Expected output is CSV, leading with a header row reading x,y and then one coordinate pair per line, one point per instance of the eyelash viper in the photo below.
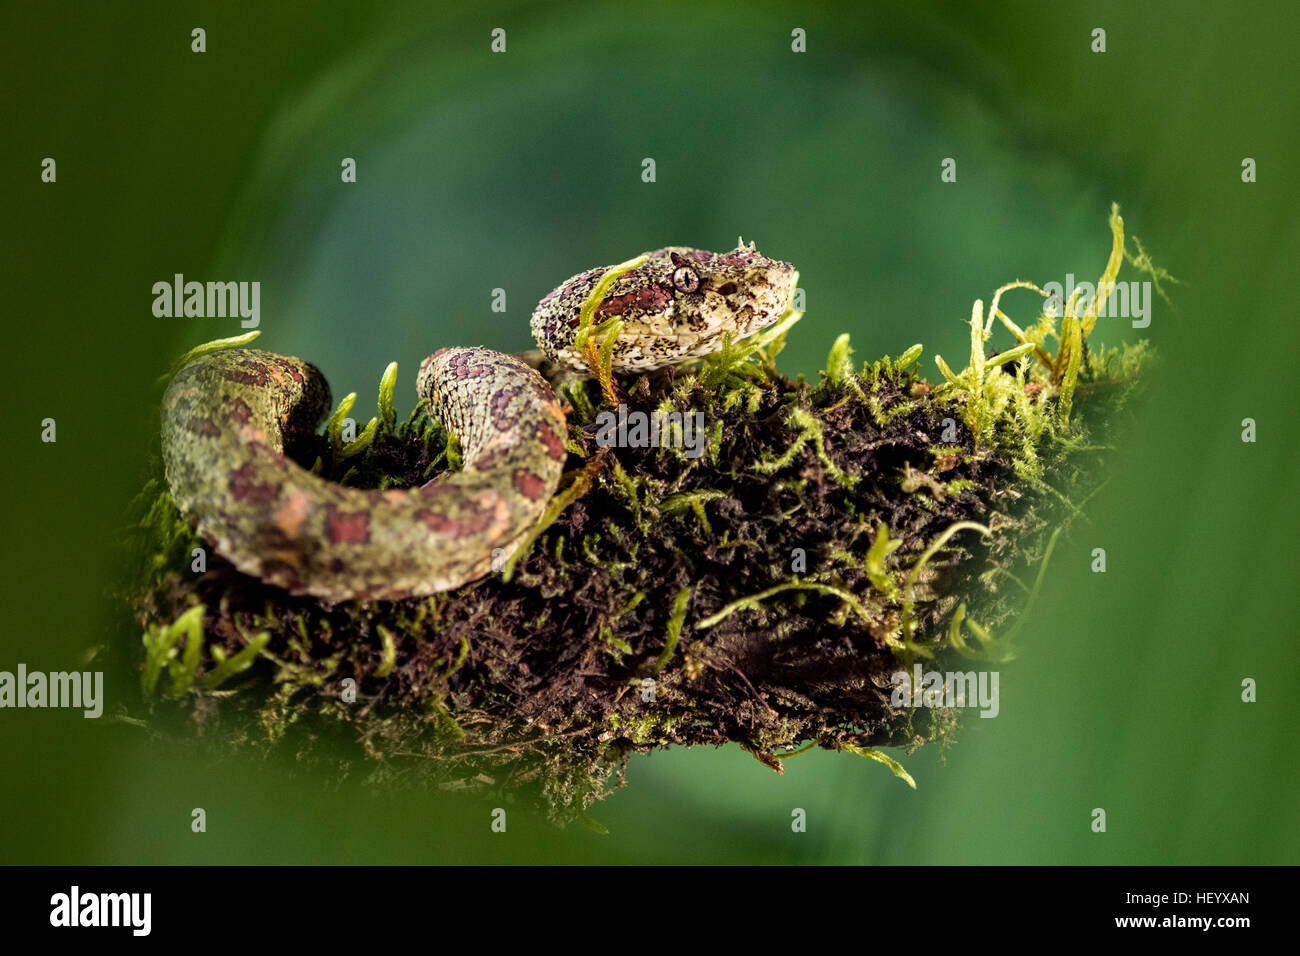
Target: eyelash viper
x,y
228,416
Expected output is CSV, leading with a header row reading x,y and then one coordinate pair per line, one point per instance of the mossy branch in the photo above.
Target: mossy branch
x,y
759,593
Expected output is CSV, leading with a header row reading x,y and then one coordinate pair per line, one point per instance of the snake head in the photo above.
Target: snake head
x,y
679,303
742,290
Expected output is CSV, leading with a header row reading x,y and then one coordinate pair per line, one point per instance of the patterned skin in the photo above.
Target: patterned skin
x,y
677,305
227,417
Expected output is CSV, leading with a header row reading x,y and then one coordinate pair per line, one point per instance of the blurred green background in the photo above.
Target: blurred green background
x,y
479,170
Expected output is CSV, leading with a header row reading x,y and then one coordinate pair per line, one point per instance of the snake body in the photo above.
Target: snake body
x,y
228,416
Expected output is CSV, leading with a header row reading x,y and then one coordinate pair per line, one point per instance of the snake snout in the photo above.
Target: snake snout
x,y
783,276
775,291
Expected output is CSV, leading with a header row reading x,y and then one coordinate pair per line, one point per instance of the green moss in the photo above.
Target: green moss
x,y
924,516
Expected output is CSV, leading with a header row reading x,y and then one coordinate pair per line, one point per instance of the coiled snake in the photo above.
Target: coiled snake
x,y
227,417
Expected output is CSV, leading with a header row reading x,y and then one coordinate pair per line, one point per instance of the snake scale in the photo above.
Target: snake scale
x,y
228,416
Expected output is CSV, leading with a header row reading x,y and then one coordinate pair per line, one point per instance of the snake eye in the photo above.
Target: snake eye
x,y
686,280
